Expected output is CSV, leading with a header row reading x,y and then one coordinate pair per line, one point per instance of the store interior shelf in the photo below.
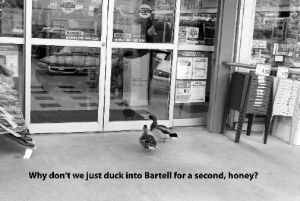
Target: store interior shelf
x,y
196,47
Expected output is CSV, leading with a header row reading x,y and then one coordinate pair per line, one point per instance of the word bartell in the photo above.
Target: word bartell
x,y
166,175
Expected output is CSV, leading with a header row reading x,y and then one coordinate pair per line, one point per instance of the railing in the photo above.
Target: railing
x,y
233,65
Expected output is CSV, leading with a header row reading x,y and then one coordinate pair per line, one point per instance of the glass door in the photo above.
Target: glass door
x,y
193,73
140,54
65,51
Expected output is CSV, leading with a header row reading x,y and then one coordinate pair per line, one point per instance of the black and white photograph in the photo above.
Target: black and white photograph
x,y
150,100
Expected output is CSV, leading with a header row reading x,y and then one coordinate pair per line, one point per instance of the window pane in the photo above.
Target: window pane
x,y
140,84
197,22
11,18
276,33
192,86
64,84
74,19
150,21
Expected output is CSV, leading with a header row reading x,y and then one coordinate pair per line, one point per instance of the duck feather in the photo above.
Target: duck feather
x,y
161,131
147,140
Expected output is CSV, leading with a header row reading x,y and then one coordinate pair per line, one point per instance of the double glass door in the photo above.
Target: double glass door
x,y
107,65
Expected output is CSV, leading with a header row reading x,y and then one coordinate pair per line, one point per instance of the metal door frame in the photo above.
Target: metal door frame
x,y
29,41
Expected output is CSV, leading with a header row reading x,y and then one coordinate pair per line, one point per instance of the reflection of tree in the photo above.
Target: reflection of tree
x,y
12,4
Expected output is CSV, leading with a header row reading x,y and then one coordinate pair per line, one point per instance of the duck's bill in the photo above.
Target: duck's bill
x,y
173,135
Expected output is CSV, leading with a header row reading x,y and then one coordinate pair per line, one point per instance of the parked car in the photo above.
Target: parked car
x,y
163,69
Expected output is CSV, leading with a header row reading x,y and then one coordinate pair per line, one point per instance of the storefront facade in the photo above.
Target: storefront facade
x,y
107,65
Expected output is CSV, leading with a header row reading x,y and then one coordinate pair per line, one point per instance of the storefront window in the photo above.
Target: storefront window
x,y
276,33
197,22
140,84
72,19
64,84
144,21
11,18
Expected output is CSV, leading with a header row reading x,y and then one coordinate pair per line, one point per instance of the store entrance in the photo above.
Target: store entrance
x,y
107,65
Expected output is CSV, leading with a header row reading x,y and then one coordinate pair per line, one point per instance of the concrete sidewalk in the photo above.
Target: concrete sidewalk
x,y
275,168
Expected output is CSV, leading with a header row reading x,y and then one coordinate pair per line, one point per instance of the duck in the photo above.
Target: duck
x,y
162,132
147,141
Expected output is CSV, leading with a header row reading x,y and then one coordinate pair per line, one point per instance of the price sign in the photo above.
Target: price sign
x,y
259,44
282,72
263,69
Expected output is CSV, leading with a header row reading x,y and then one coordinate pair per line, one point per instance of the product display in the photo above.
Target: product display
x,y
286,110
12,122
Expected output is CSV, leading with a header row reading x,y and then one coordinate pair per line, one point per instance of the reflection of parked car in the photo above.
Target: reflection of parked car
x,y
53,30
162,71
47,35
50,32
72,60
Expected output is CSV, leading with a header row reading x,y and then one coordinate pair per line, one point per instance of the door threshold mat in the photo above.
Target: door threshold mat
x,y
64,116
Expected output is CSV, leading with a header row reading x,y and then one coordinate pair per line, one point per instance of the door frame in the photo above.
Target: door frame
x,y
234,24
133,125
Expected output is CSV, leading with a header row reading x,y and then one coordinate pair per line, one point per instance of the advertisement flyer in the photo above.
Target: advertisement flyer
x,y
192,35
190,91
184,68
183,91
197,91
192,65
200,68
182,35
